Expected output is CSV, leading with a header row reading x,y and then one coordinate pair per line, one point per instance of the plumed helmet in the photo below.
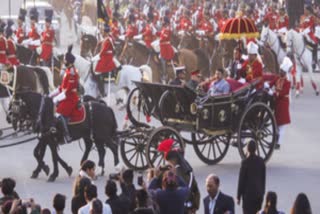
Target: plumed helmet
x,y
34,14
69,56
49,15
22,14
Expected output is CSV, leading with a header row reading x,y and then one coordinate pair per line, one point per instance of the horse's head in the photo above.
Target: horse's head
x,y
265,34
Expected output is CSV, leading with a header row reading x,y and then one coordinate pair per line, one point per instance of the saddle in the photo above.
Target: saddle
x,y
78,115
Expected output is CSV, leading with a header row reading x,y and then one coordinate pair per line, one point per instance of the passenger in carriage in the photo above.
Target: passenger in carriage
x,y
180,76
195,80
236,64
219,85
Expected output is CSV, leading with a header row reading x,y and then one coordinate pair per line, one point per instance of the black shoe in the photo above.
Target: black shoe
x,y
277,146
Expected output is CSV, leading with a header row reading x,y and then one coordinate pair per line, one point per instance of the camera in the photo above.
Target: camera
x,y
114,176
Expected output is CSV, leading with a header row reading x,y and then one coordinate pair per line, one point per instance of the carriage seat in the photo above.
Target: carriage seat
x,y
235,85
78,115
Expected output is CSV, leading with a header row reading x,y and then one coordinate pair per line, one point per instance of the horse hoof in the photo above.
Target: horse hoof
x,y
52,178
69,171
46,169
34,175
317,93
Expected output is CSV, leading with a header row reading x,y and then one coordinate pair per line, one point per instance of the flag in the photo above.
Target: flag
x,y
102,12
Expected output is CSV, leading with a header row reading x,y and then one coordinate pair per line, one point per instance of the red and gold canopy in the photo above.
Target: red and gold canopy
x,y
237,28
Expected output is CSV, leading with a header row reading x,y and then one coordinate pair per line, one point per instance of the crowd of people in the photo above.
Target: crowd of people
x,y
171,188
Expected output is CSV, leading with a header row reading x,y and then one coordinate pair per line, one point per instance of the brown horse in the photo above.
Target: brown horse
x,y
139,55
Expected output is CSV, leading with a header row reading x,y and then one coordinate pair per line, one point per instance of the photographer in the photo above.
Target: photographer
x,y
118,205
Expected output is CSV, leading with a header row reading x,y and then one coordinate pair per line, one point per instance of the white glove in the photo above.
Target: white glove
x,y
96,58
239,66
59,97
137,37
266,85
39,50
54,93
242,80
270,92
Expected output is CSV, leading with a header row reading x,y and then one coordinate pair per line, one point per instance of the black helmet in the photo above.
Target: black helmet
x,y
49,15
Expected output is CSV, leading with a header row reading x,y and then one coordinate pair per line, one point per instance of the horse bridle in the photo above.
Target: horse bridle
x,y
272,43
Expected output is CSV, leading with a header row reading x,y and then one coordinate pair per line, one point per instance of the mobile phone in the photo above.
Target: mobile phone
x,y
140,180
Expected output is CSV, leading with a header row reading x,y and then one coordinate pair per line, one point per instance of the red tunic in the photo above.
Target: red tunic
x,y
166,50
11,54
283,21
3,49
206,26
20,34
69,85
106,64
271,18
33,34
131,31
115,30
148,35
47,38
253,71
221,23
309,22
184,24
282,113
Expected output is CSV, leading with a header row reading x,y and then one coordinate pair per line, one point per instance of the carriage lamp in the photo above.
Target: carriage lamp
x,y
193,108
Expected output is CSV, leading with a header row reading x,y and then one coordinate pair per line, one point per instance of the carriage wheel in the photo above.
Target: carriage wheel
x,y
154,157
133,151
258,124
137,108
166,101
210,149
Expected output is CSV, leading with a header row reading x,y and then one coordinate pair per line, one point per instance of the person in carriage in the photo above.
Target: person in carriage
x,y
66,96
180,76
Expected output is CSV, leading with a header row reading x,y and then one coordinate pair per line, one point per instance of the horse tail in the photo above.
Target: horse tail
x,y
43,78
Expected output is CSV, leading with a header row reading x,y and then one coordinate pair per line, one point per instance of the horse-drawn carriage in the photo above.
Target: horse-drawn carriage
x,y
214,122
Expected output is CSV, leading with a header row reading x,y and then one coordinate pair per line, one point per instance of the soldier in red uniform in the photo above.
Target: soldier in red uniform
x,y
184,23
149,32
131,31
66,96
47,37
33,33
115,28
11,51
3,46
307,27
166,50
107,63
20,32
205,30
252,68
283,21
271,18
282,90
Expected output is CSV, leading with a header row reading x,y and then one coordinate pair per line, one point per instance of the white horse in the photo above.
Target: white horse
x,y
270,38
126,76
302,56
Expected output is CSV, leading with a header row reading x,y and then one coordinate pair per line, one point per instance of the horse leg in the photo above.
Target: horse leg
x,y
313,83
54,153
113,146
101,153
38,153
65,165
88,144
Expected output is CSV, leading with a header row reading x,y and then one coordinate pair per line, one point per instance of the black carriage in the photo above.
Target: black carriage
x,y
215,122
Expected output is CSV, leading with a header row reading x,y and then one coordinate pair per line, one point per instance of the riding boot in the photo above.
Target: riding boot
x,y
100,81
163,70
314,56
64,123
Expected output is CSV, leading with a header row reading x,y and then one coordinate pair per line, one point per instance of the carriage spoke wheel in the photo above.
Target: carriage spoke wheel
x,y
137,108
210,149
154,157
133,151
258,124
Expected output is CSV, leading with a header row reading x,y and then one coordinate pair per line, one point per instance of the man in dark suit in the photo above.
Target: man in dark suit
x,y
216,202
252,181
180,76
236,64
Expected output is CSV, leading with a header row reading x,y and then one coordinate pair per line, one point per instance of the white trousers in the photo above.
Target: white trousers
x,y
281,133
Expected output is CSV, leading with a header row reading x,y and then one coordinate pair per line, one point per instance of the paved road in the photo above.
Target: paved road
x,y
294,169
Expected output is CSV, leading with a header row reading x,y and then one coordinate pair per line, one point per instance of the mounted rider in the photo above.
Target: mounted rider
x,y
66,96
131,31
33,34
20,33
107,62
149,32
166,50
271,18
47,38
3,46
307,27
11,51
205,30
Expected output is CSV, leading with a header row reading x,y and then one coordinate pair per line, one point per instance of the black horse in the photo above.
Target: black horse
x,y
99,127
27,56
